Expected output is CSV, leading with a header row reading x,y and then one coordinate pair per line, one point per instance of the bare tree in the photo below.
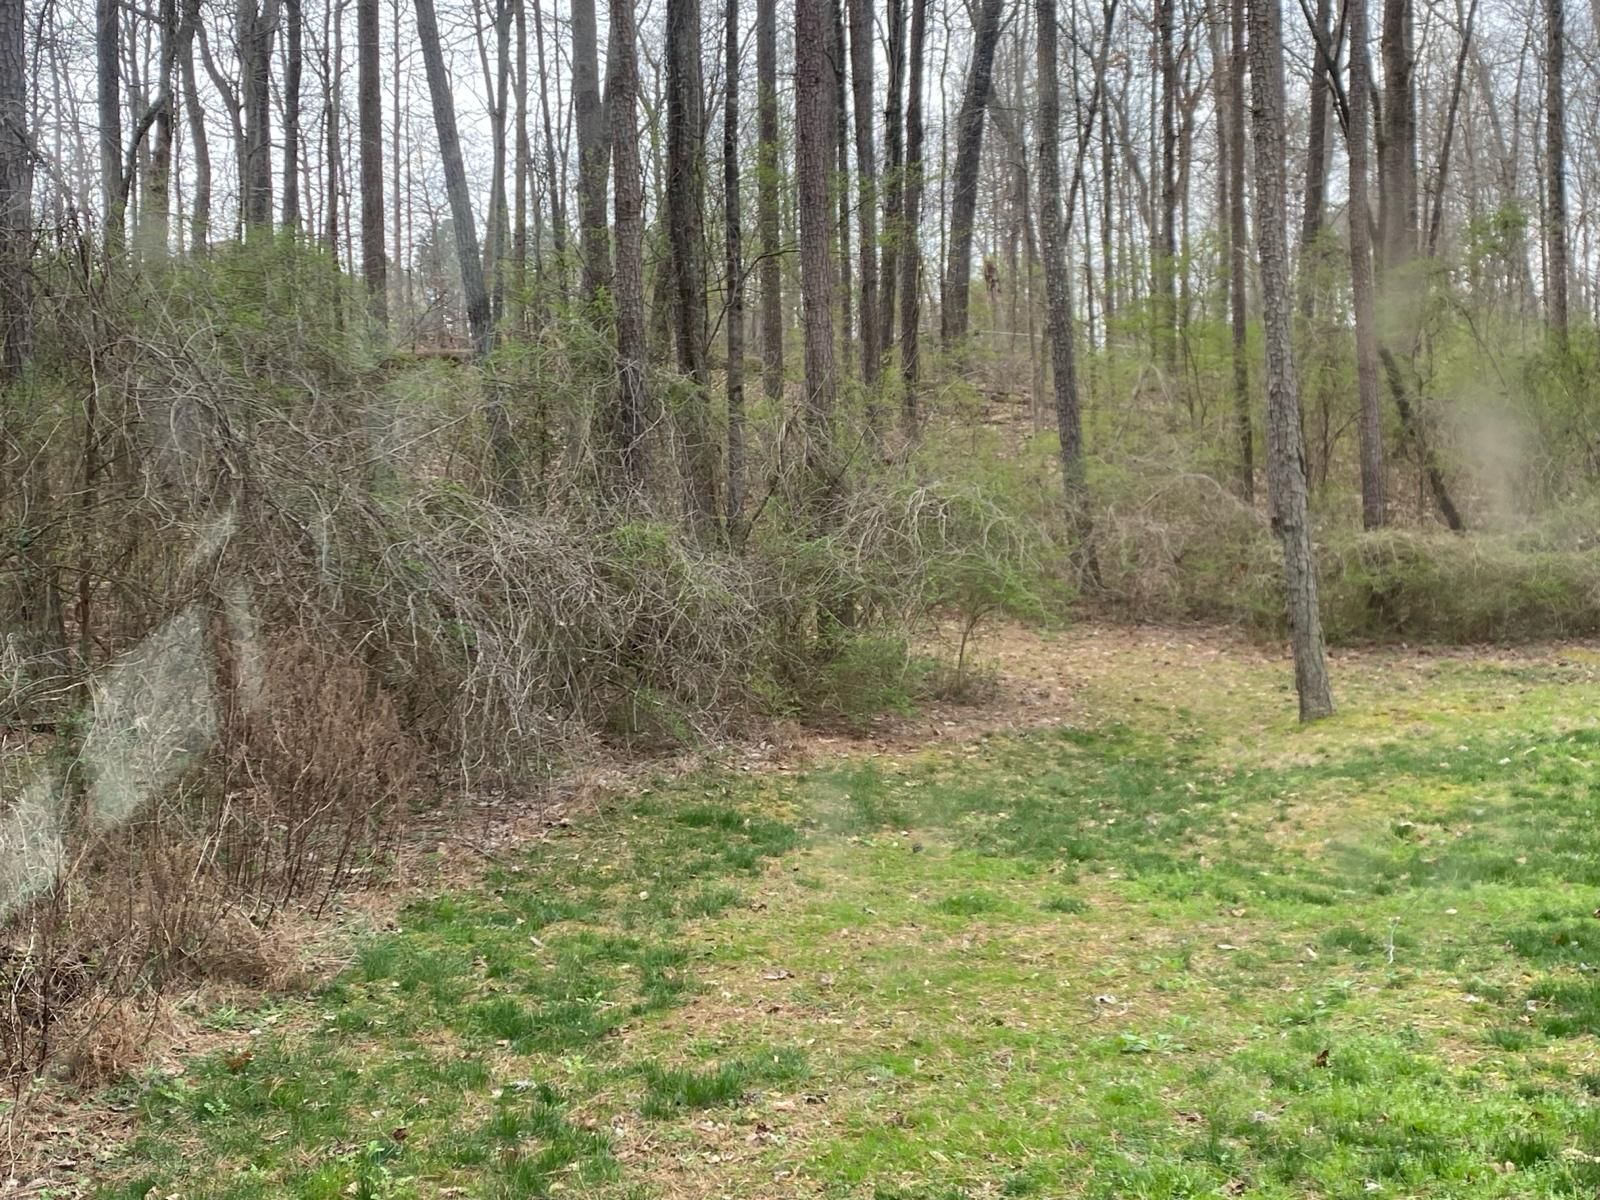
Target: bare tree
x,y
16,191
894,174
969,150
911,247
369,102
1555,165
1362,285
108,88
734,318
813,128
1286,476
627,421
593,150
1239,252
862,82
258,27
293,66
199,143
767,170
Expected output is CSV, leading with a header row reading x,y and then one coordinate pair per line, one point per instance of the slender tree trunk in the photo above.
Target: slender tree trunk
x,y
521,165
1239,252
558,210
969,151
894,172
767,172
593,151
911,249
369,83
861,75
814,85
480,319
1363,287
1166,251
837,54
734,318
686,180
108,81
1057,282
1397,169
628,419
16,194
1285,460
258,29
199,144
1555,165
333,72
155,225
293,68
1316,154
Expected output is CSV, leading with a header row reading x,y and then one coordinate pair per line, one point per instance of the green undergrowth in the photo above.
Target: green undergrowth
x,y
1182,949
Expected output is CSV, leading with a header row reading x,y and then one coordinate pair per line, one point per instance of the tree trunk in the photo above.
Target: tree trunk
x,y
628,418
293,67
1285,461
837,54
369,102
1555,165
1166,252
1239,252
1316,153
686,185
734,318
593,151
1363,288
767,171
16,193
1397,169
108,83
558,208
814,86
969,151
1057,282
894,172
199,145
861,77
257,29
911,247
480,322
155,223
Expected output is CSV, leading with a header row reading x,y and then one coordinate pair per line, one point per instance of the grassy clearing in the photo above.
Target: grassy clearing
x,y
1180,949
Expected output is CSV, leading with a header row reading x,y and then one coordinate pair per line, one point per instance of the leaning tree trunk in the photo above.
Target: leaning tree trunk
x,y
369,102
969,151
686,186
480,321
1363,289
1286,477
814,142
1057,282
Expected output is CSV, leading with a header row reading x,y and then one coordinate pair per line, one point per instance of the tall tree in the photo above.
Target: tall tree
x,y
862,85
1166,251
293,67
1363,288
1057,282
480,318
199,143
686,188
1239,252
258,27
814,86
593,151
1397,142
1555,165
628,411
911,224
734,318
1316,145
108,92
767,169
1286,476
16,192
894,174
369,103
969,151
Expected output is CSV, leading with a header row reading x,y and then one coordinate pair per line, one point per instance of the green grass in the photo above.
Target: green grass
x,y
1177,951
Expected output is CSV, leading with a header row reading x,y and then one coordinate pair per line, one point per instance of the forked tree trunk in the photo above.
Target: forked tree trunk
x,y
969,151
1286,476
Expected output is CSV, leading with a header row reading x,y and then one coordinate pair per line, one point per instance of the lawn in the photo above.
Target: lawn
x,y
1172,946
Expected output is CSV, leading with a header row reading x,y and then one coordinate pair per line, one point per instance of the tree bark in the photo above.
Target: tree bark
x,y
861,77
1057,282
369,102
1555,165
628,422
814,86
199,144
911,247
293,68
108,89
686,179
1166,251
480,321
257,29
1363,286
1238,253
16,193
767,171
1316,153
593,151
734,318
969,151
1285,461
894,172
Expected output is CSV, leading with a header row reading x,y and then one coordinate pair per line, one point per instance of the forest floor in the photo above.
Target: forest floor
x,y
1124,931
